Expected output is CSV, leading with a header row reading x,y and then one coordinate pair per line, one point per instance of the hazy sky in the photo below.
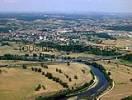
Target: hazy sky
x,y
72,6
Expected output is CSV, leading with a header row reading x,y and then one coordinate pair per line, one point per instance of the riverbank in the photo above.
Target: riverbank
x,y
121,75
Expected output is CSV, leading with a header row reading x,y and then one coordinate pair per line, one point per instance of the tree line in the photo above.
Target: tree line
x,y
80,48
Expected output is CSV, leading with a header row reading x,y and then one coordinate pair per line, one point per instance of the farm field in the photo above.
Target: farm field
x,y
120,43
20,84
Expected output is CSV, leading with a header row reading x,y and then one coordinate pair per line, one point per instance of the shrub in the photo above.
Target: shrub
x,y
26,55
39,70
60,81
75,77
0,71
109,62
56,69
32,69
72,88
49,75
60,71
65,85
35,55
109,73
36,69
83,71
68,63
38,87
131,80
66,76
70,79
43,87
44,66
56,79
43,73
24,66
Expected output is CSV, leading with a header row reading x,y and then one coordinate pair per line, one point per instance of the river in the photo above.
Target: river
x,y
98,88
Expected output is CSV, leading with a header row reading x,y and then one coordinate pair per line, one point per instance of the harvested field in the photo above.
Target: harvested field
x,y
20,84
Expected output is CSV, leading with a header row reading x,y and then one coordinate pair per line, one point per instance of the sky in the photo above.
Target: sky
x,y
66,6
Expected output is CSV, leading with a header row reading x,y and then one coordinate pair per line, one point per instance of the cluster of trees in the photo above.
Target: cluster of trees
x,y
103,52
99,35
36,69
40,56
5,43
24,66
40,87
27,57
50,76
44,65
69,78
56,79
80,48
5,29
58,70
12,57
75,77
15,57
127,57
120,27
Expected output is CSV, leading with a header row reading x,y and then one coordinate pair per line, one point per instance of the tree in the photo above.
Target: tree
x,y
36,69
56,69
38,87
35,55
43,87
65,85
75,77
26,55
49,75
70,79
39,70
131,80
0,71
127,98
109,62
109,73
44,65
43,73
66,76
24,66
68,63
40,55
83,71
60,71
72,88
32,69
